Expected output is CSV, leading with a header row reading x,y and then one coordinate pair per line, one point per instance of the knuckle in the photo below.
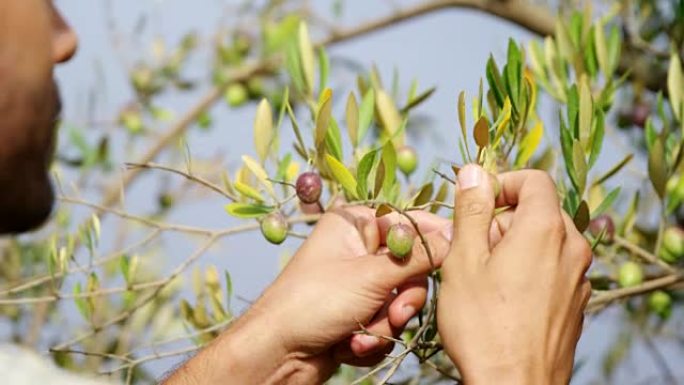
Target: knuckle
x,y
470,208
542,179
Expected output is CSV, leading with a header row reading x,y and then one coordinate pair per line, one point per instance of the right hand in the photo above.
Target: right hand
x,y
511,311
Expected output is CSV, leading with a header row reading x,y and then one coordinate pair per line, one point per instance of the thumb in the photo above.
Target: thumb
x,y
473,213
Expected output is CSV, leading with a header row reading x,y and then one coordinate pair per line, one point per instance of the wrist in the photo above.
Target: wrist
x,y
532,373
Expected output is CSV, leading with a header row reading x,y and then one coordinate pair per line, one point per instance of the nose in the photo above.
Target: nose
x,y
64,39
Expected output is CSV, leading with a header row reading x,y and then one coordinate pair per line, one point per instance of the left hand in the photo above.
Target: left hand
x,y
344,277
303,325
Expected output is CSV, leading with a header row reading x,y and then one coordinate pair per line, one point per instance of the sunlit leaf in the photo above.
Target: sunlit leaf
x,y
248,191
342,175
307,56
324,68
389,116
259,172
263,129
675,87
607,202
247,210
529,144
440,196
579,163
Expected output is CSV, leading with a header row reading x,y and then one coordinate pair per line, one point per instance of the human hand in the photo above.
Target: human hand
x,y
512,312
303,326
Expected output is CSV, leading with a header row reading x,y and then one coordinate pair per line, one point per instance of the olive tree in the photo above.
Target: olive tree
x,y
611,73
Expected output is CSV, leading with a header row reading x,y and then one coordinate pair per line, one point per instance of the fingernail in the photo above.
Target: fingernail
x,y
407,312
365,342
470,176
447,232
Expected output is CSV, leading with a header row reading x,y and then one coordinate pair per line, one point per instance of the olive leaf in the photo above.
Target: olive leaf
x,y
342,175
614,170
259,172
248,191
582,218
383,210
675,87
362,172
366,113
657,168
481,132
607,202
529,144
440,196
247,210
579,163
389,116
263,129
352,116
424,194
323,119
306,56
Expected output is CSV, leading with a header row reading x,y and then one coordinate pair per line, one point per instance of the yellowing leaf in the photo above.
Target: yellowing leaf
x,y
259,172
292,171
248,191
389,116
601,49
263,129
529,144
306,55
342,175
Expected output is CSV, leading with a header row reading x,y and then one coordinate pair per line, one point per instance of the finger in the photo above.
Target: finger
x,y
533,192
343,355
427,222
410,299
357,222
389,272
473,212
365,344
500,225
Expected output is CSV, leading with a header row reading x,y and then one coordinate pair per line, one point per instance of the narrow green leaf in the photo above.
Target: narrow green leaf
x,y
342,175
362,172
417,100
352,117
424,194
229,288
323,119
366,113
81,303
389,160
607,202
614,170
333,140
247,210
495,82
248,191
657,168
601,49
675,87
259,172
324,68
389,116
582,218
580,166
596,140
586,109
440,196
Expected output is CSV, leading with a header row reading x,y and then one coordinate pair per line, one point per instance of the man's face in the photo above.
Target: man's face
x,y
33,38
